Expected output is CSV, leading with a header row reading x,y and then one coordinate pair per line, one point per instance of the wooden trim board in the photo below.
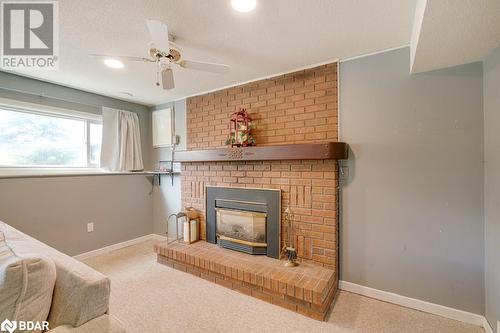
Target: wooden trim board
x,y
412,303
304,151
109,248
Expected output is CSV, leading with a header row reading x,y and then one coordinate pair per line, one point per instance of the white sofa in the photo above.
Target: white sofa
x,y
39,283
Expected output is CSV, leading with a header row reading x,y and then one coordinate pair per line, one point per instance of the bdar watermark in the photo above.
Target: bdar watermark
x,y
23,325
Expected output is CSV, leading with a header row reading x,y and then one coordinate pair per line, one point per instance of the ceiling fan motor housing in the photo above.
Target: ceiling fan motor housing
x,y
174,55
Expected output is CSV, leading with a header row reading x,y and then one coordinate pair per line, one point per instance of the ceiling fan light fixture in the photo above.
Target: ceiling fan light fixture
x,y
113,63
244,5
163,56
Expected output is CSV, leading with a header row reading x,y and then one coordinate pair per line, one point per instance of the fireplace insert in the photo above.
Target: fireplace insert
x,y
246,220
241,228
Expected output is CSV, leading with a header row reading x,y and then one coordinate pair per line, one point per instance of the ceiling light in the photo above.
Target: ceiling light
x,y
244,5
113,63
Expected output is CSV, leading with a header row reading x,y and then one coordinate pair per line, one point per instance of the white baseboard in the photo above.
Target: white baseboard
x,y
487,327
440,310
117,246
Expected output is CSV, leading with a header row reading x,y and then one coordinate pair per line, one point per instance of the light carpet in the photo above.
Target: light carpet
x,y
149,297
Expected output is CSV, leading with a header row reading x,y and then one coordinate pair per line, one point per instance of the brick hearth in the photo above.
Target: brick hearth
x,y
307,289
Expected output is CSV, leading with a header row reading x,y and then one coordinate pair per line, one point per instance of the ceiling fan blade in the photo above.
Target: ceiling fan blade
x,y
125,58
159,35
204,66
167,78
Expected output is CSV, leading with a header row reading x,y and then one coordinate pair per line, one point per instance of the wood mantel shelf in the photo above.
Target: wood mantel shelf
x,y
302,151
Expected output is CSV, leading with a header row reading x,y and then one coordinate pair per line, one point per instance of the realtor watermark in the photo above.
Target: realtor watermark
x,y
30,35
22,325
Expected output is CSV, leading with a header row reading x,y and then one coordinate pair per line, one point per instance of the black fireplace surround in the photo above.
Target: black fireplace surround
x,y
266,201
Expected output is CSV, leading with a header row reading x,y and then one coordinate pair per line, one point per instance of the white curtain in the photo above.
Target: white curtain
x,y
121,141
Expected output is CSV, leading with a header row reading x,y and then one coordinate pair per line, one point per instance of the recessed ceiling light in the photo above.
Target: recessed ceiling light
x,y
244,5
113,63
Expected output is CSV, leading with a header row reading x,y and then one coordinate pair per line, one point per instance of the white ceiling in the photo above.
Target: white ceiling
x,y
279,36
454,32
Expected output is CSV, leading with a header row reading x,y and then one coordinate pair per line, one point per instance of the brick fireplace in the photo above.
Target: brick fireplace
x,y
294,108
299,107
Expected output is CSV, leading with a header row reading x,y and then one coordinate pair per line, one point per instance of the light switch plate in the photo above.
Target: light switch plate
x,y
90,227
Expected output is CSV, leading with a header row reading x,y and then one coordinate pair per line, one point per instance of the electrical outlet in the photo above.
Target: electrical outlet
x,y
90,227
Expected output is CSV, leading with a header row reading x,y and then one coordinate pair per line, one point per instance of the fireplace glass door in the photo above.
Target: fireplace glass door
x,y
241,226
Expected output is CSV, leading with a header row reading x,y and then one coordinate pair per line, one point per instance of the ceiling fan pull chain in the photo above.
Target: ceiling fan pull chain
x,y
158,73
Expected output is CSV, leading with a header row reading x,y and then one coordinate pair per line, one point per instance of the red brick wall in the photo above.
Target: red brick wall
x,y
292,108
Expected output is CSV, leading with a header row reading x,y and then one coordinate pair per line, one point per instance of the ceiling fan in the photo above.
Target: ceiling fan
x,y
166,54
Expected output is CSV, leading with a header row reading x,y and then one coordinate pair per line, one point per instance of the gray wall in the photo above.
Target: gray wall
x,y
412,214
57,210
492,185
167,197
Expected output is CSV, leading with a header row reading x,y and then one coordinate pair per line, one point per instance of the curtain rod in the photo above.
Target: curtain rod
x,y
42,95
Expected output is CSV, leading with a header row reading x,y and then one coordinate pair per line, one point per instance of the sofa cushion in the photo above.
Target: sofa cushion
x,y
26,282
102,324
80,292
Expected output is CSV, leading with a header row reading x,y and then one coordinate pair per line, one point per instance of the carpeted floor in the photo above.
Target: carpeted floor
x,y
149,297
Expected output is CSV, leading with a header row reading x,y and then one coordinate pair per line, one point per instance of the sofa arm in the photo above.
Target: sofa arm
x,y
80,294
102,324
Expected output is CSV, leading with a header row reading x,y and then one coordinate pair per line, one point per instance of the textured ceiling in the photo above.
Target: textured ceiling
x,y
454,32
279,36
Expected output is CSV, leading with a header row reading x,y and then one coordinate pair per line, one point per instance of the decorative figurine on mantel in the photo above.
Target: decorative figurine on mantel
x,y
240,130
289,250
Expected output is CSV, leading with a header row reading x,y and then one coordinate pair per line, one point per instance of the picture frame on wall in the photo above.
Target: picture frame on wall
x,y
163,128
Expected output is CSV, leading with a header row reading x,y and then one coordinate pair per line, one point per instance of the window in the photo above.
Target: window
x,y
95,139
162,128
34,138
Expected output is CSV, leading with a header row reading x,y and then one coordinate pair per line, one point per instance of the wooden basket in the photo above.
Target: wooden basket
x,y
192,213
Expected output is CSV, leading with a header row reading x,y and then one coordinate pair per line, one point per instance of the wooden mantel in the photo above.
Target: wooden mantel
x,y
303,151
